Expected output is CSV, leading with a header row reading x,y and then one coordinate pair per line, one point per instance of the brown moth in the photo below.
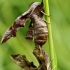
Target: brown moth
x,y
19,22
37,29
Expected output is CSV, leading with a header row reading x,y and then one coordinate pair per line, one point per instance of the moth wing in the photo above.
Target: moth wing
x,y
18,23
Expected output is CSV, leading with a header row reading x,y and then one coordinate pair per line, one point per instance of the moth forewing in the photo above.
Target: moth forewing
x,y
19,22
11,32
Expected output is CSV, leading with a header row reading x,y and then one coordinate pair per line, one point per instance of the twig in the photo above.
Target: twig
x,y
52,48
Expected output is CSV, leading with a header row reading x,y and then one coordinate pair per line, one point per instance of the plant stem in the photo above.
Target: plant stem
x,y
52,49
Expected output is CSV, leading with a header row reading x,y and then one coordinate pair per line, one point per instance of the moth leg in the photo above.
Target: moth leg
x,y
45,21
49,65
45,14
29,34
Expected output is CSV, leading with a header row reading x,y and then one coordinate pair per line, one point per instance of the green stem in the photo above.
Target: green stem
x,y
52,49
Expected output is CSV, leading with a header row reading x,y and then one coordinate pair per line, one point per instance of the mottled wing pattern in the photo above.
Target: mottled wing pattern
x,y
18,23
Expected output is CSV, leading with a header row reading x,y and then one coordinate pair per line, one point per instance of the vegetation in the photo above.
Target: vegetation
x,y
53,56
60,19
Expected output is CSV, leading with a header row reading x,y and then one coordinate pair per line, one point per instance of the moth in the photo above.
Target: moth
x,y
37,29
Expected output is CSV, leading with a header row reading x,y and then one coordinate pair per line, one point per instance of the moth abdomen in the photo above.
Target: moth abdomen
x,y
40,39
40,35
